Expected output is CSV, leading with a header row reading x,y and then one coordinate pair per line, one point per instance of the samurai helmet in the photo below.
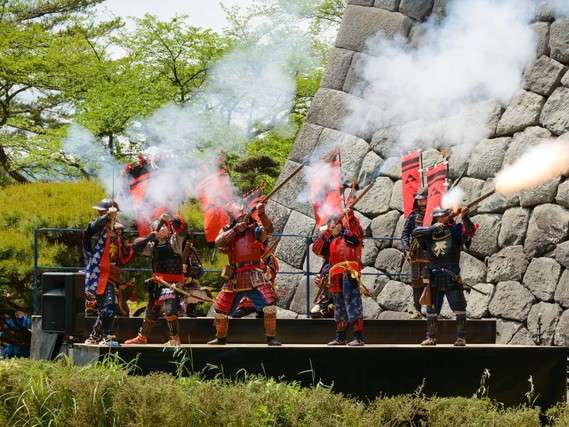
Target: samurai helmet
x,y
438,212
421,194
105,204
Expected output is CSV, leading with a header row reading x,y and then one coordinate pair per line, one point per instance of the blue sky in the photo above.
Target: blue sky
x,y
203,13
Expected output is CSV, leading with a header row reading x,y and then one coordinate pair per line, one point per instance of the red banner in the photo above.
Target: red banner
x,y
326,189
437,185
410,179
139,175
215,193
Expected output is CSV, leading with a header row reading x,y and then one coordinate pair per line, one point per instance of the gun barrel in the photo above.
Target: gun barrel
x,y
284,182
480,199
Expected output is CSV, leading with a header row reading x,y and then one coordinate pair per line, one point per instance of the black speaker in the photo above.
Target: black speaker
x,y
63,297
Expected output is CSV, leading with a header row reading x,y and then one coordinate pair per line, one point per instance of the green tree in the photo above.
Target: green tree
x,y
44,56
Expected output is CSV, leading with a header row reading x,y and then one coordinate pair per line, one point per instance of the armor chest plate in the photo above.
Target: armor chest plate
x,y
246,248
166,260
444,251
341,251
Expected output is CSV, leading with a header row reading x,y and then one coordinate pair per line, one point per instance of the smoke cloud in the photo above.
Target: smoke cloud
x,y
249,90
453,199
537,166
81,145
442,93
559,8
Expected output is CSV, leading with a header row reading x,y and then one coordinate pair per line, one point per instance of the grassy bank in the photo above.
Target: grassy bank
x,y
58,394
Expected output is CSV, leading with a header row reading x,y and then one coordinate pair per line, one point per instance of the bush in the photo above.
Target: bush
x,y
58,394
25,207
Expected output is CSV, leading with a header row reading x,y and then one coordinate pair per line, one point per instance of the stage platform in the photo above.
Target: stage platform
x,y
298,331
366,372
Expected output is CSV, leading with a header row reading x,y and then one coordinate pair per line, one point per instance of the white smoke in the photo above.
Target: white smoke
x,y
441,93
81,146
559,8
453,199
251,89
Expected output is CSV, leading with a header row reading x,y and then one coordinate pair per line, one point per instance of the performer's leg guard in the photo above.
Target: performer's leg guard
x,y
341,327
270,322
221,322
431,330
460,328
172,321
358,333
417,292
96,336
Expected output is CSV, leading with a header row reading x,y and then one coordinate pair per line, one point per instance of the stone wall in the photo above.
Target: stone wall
x,y
519,257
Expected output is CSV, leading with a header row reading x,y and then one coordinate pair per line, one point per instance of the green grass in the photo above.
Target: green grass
x,y
105,394
25,207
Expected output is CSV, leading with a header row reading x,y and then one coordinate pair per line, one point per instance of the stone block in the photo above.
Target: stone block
x,y
541,277
508,264
472,270
542,32
523,111
286,284
555,114
391,5
390,261
562,330
562,290
384,142
542,194
279,215
354,82
337,69
514,226
561,254
384,226
396,201
485,241
487,158
361,23
562,196
544,75
397,243
542,321
292,249
548,225
477,306
370,166
290,195
305,143
332,109
522,337
559,40
497,203
396,296
511,301
377,200
416,9
505,330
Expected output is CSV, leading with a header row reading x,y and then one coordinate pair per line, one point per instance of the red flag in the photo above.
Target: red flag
x,y
326,189
215,193
437,185
410,179
139,177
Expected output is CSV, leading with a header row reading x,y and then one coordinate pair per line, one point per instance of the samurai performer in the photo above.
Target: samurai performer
x,y
165,246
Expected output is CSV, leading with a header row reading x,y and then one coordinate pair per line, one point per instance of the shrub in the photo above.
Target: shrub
x,y
105,394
